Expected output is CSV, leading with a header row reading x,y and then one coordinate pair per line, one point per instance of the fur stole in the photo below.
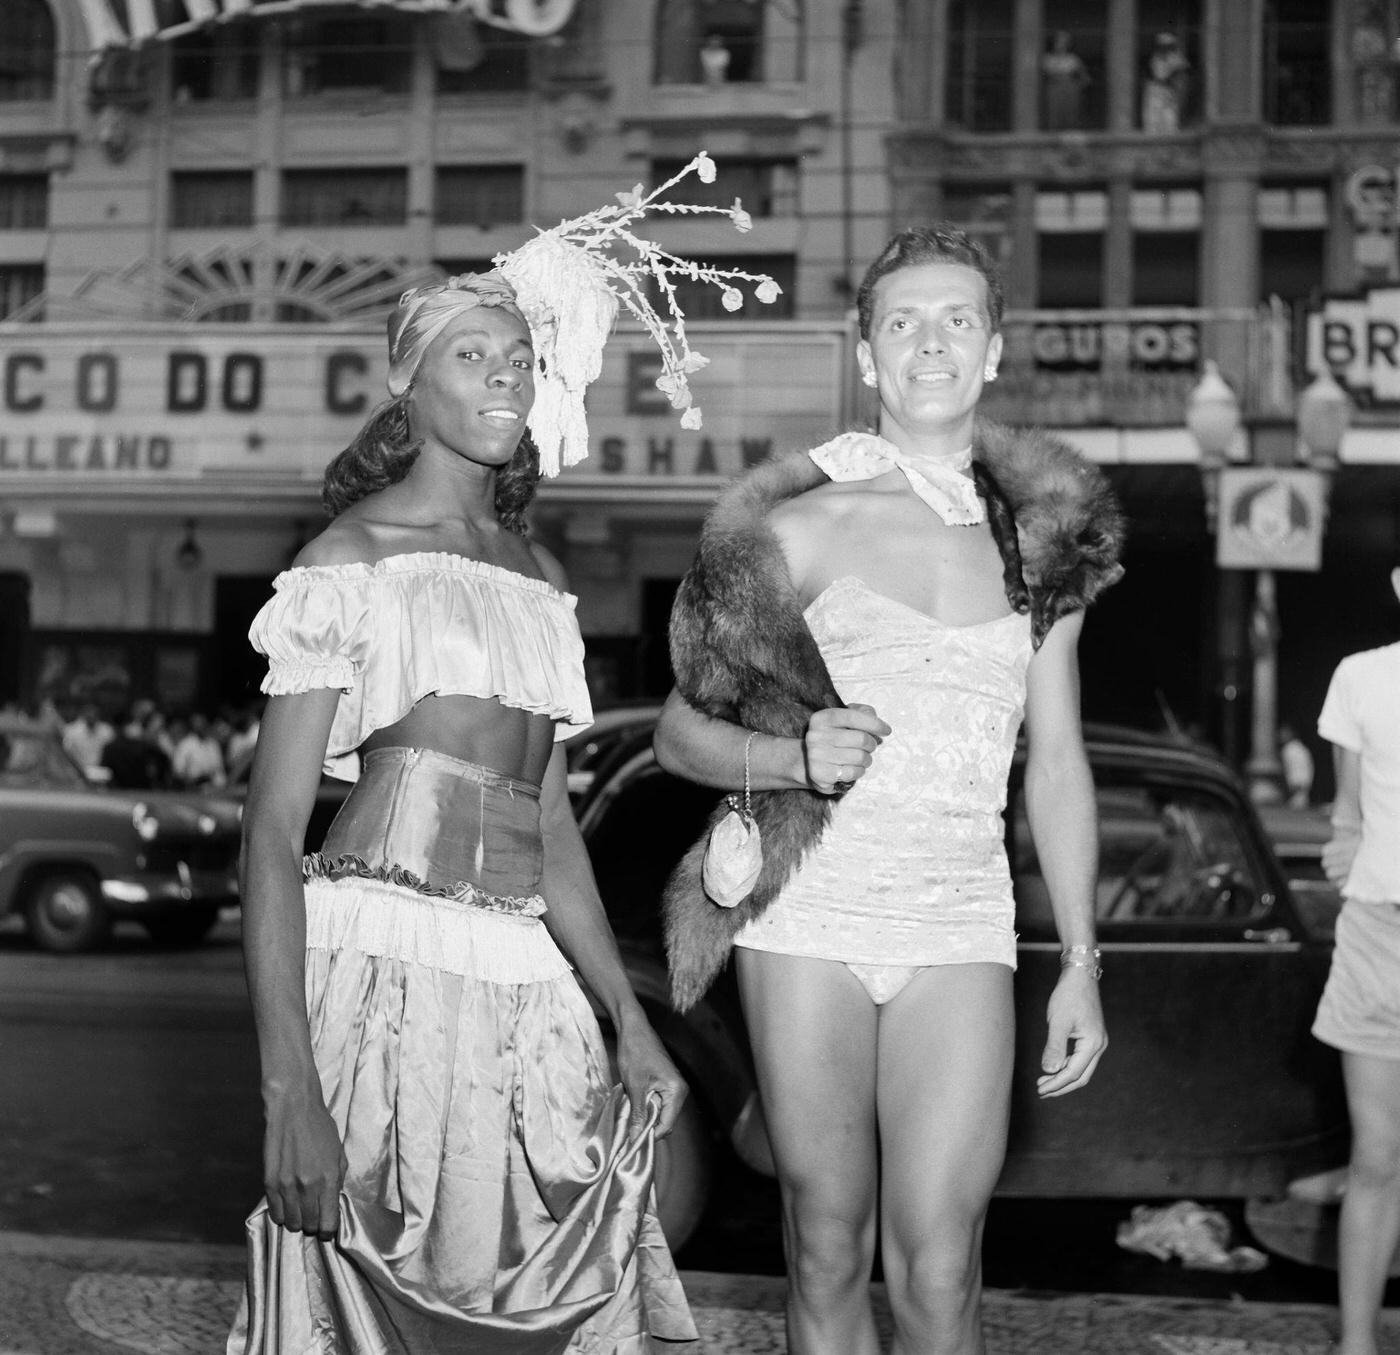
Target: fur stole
x,y
742,651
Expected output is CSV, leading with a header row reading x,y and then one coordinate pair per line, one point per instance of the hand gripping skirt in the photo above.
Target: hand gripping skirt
x,y
493,1202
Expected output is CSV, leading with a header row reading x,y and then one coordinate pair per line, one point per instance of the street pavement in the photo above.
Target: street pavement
x,y
83,1296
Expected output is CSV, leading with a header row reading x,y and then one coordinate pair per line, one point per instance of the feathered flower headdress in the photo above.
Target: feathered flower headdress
x,y
569,283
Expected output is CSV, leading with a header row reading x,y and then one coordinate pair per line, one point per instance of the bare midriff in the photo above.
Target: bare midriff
x,y
476,729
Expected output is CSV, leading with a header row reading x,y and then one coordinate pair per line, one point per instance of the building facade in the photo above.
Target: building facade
x,y
206,207
1167,182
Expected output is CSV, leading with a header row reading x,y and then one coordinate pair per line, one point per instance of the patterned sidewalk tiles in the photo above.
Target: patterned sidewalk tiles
x,y
68,1296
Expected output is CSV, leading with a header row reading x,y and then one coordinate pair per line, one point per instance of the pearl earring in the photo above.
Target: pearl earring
x,y
870,378
990,374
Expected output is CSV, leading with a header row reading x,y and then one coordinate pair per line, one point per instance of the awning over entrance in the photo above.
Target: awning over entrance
x,y
127,22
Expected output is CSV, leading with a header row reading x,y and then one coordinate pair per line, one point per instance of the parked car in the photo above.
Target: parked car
x,y
330,795
1212,1087
1298,836
75,855
589,748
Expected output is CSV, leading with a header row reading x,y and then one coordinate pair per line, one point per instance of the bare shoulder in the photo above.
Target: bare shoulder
x,y
804,523
552,570
345,542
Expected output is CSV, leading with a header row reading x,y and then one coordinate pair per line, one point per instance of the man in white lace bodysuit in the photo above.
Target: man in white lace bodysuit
x,y
877,984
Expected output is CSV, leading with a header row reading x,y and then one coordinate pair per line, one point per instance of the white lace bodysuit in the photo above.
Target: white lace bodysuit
x,y
912,868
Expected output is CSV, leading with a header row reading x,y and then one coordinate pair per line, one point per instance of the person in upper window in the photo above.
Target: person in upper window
x,y
1164,87
1064,78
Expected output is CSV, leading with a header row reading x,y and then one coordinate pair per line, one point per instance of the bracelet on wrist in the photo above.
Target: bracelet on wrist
x,y
1083,957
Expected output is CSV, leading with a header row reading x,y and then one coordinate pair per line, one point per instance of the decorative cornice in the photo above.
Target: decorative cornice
x,y
31,154
918,152
803,130
760,124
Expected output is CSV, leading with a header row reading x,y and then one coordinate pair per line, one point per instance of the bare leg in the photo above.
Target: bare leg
x,y
944,1088
1370,1223
812,1028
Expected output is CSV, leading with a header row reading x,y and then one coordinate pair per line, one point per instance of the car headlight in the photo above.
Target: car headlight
x,y
145,823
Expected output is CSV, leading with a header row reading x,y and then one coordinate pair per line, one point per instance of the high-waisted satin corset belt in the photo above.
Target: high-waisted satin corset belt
x,y
440,826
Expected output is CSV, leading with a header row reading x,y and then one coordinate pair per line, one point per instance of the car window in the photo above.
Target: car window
x,y
1166,854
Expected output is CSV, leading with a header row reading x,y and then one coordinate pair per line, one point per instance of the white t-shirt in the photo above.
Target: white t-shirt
x,y
1362,714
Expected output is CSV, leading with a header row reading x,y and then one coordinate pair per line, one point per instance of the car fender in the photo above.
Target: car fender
x,y
21,860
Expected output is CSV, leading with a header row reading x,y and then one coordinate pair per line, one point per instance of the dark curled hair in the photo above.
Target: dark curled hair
x,y
929,244
384,450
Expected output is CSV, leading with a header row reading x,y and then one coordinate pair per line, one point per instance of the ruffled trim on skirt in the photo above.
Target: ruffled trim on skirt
x,y
317,866
380,918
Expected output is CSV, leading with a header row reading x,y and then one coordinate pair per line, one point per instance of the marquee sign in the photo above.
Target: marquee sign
x,y
123,22
252,408
1359,339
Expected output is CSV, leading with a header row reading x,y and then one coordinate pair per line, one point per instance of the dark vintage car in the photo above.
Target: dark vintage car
x,y
1212,1087
1298,836
75,856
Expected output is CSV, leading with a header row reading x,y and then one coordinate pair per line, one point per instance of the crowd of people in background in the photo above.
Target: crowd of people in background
x,y
149,749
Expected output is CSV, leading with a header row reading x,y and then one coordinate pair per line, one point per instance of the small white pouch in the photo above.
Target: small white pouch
x,y
734,853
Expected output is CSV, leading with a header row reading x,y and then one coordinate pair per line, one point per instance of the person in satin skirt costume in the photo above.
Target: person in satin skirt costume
x,y
448,1164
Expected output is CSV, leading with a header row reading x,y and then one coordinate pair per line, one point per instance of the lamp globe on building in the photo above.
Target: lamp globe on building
x,y
1323,416
1213,420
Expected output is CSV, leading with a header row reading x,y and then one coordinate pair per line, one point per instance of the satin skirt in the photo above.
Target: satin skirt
x,y
493,1201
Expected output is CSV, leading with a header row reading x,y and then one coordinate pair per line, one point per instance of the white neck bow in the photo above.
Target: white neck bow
x,y
940,481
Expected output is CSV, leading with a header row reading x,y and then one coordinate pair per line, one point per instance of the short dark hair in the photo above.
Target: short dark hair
x,y
941,243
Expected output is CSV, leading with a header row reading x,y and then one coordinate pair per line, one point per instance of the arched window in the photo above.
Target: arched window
x,y
718,42
27,50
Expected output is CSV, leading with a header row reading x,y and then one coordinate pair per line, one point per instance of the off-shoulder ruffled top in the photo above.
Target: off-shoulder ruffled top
x,y
409,626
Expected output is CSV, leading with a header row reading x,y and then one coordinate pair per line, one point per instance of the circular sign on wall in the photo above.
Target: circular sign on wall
x,y
1270,518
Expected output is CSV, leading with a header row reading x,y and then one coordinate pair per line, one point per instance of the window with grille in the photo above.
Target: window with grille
x,y
344,197
1073,66
1070,269
1298,63
1169,64
206,198
322,56
473,58
981,56
767,187
701,301
27,50
719,42
480,195
1293,222
220,63
24,202
984,211
19,285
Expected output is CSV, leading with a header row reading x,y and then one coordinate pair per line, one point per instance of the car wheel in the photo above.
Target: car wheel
x,y
188,927
65,913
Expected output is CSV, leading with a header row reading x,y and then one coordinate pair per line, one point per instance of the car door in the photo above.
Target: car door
x,y
1212,1083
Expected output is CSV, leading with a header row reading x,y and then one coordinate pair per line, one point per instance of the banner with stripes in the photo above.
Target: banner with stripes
x,y
125,22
